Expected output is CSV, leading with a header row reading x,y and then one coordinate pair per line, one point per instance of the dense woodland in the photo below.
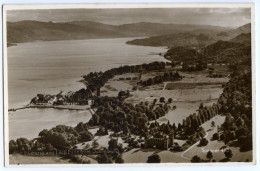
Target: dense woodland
x,y
116,115
237,102
183,54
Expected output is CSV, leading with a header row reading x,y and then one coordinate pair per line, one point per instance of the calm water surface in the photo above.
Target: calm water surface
x,y
48,67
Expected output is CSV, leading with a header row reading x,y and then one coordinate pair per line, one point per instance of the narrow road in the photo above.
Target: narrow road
x,y
165,83
182,155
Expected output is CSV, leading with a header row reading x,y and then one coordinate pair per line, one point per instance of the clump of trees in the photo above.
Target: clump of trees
x,y
123,94
192,123
198,66
196,159
154,158
183,54
113,154
209,155
215,136
118,116
228,153
104,159
203,142
102,131
60,137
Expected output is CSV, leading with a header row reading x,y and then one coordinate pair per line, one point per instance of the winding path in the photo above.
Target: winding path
x,y
182,155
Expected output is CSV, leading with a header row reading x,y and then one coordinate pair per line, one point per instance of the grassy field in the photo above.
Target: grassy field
x,y
137,155
181,86
17,159
114,85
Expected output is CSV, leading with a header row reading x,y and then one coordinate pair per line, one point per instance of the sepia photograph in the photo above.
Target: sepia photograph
x,y
132,84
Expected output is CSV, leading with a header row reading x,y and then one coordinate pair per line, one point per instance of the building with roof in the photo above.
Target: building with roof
x,y
159,141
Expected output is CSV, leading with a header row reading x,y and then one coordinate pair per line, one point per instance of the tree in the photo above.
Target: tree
x,y
215,136
103,158
179,127
119,159
213,124
228,153
162,99
112,144
12,146
155,158
196,159
43,133
49,147
86,136
203,142
95,144
81,127
96,119
209,155
201,106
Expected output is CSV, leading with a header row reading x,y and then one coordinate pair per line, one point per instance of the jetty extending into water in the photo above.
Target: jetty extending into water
x,y
67,107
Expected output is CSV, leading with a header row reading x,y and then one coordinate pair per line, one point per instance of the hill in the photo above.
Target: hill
x,y
227,52
234,51
230,34
181,39
193,37
27,31
155,29
183,54
244,38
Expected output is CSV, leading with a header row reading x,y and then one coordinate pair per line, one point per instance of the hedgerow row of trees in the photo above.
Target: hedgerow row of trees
x,y
161,78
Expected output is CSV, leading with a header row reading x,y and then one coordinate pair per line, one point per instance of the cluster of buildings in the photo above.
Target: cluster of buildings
x,y
59,99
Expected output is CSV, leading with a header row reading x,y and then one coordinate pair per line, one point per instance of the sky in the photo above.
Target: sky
x,y
225,17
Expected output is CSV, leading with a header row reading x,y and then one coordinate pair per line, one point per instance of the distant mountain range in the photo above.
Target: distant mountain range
x,y
28,31
196,38
230,34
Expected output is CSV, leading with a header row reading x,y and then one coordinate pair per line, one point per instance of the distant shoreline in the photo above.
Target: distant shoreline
x,y
9,44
